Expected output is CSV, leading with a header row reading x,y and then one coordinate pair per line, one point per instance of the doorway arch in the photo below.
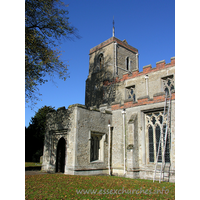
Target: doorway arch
x,y
60,155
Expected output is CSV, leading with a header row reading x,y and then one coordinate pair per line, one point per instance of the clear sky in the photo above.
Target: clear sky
x,y
148,25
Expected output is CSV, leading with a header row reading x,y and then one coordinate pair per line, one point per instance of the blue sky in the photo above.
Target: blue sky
x,y
148,25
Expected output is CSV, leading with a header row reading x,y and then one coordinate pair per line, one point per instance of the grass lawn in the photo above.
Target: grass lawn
x,y
60,186
32,164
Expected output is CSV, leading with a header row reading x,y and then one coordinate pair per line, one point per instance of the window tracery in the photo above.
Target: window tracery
x,y
168,85
154,124
130,93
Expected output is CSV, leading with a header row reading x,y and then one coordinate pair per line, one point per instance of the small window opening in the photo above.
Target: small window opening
x,y
101,61
127,63
96,148
130,93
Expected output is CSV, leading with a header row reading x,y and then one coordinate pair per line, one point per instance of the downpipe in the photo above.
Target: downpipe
x,y
109,149
124,134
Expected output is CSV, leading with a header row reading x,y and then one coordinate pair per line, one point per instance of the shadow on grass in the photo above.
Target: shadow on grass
x,y
36,168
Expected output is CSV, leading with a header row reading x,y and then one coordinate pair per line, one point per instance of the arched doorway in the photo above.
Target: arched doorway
x,y
60,155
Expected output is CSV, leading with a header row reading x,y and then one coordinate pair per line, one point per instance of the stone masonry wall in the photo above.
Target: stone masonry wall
x,y
122,54
75,125
59,124
137,164
88,122
78,123
150,88
95,83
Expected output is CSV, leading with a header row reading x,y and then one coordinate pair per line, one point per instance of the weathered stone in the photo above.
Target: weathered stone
x,y
111,89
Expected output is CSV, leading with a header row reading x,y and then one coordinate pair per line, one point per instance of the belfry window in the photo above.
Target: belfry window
x,y
127,64
154,127
101,61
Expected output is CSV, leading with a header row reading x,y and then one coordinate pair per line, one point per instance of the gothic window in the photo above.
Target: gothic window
x,y
153,130
101,61
151,144
168,84
127,64
157,143
96,147
130,93
167,152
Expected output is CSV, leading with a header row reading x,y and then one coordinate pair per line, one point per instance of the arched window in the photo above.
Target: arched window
x,y
168,84
157,143
127,64
151,144
101,61
154,122
167,148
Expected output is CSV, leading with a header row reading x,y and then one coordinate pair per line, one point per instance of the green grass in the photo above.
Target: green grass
x,y
60,186
32,164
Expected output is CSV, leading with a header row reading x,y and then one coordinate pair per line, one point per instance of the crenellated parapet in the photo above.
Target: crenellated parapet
x,y
147,69
145,87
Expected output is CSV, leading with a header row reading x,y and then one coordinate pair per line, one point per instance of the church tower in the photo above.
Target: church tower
x,y
108,60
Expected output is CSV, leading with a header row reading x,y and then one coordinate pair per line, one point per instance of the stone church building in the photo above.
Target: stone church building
x,y
117,131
